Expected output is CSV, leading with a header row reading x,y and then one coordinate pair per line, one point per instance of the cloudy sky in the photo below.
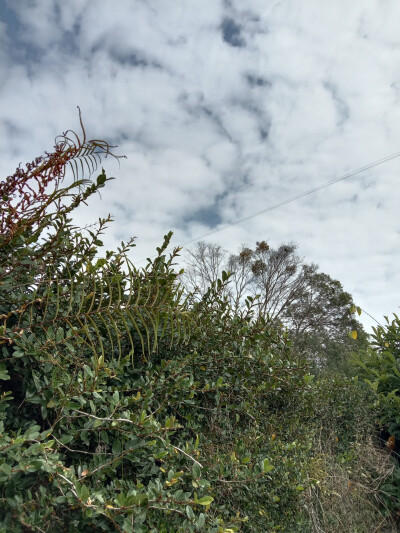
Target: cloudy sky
x,y
223,108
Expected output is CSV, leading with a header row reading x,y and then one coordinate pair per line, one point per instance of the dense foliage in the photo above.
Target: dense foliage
x,y
380,367
125,406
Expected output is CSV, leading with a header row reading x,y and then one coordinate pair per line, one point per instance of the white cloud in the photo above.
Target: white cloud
x,y
223,109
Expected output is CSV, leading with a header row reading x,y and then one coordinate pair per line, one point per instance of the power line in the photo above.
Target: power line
x,y
296,197
292,198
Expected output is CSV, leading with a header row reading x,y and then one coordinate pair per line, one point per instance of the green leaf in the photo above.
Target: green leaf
x,y
6,468
116,448
196,470
189,512
266,466
85,493
65,439
127,525
52,403
201,521
78,488
115,397
205,500
101,178
4,375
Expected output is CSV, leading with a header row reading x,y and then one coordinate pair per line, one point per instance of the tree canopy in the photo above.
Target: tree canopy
x,y
284,290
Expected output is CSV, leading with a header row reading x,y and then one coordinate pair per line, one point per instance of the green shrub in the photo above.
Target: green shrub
x,y
380,368
82,445
124,407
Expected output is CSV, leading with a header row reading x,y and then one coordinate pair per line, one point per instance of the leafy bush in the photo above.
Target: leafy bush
x,y
124,407
380,368
81,443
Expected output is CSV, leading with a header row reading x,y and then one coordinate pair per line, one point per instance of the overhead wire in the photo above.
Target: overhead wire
x,y
295,197
291,199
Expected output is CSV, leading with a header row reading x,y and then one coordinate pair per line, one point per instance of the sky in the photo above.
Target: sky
x,y
223,108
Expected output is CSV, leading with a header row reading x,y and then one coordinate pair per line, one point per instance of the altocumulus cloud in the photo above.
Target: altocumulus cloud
x,y
223,108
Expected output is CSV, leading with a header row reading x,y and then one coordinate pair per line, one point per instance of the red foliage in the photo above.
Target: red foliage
x,y
26,195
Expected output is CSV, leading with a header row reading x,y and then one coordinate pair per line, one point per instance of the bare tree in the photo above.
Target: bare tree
x,y
205,262
274,276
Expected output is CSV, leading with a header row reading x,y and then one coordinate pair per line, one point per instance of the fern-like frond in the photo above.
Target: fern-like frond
x,y
83,154
28,196
106,313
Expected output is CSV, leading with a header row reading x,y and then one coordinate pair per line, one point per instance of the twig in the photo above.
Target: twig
x,y
187,455
78,451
